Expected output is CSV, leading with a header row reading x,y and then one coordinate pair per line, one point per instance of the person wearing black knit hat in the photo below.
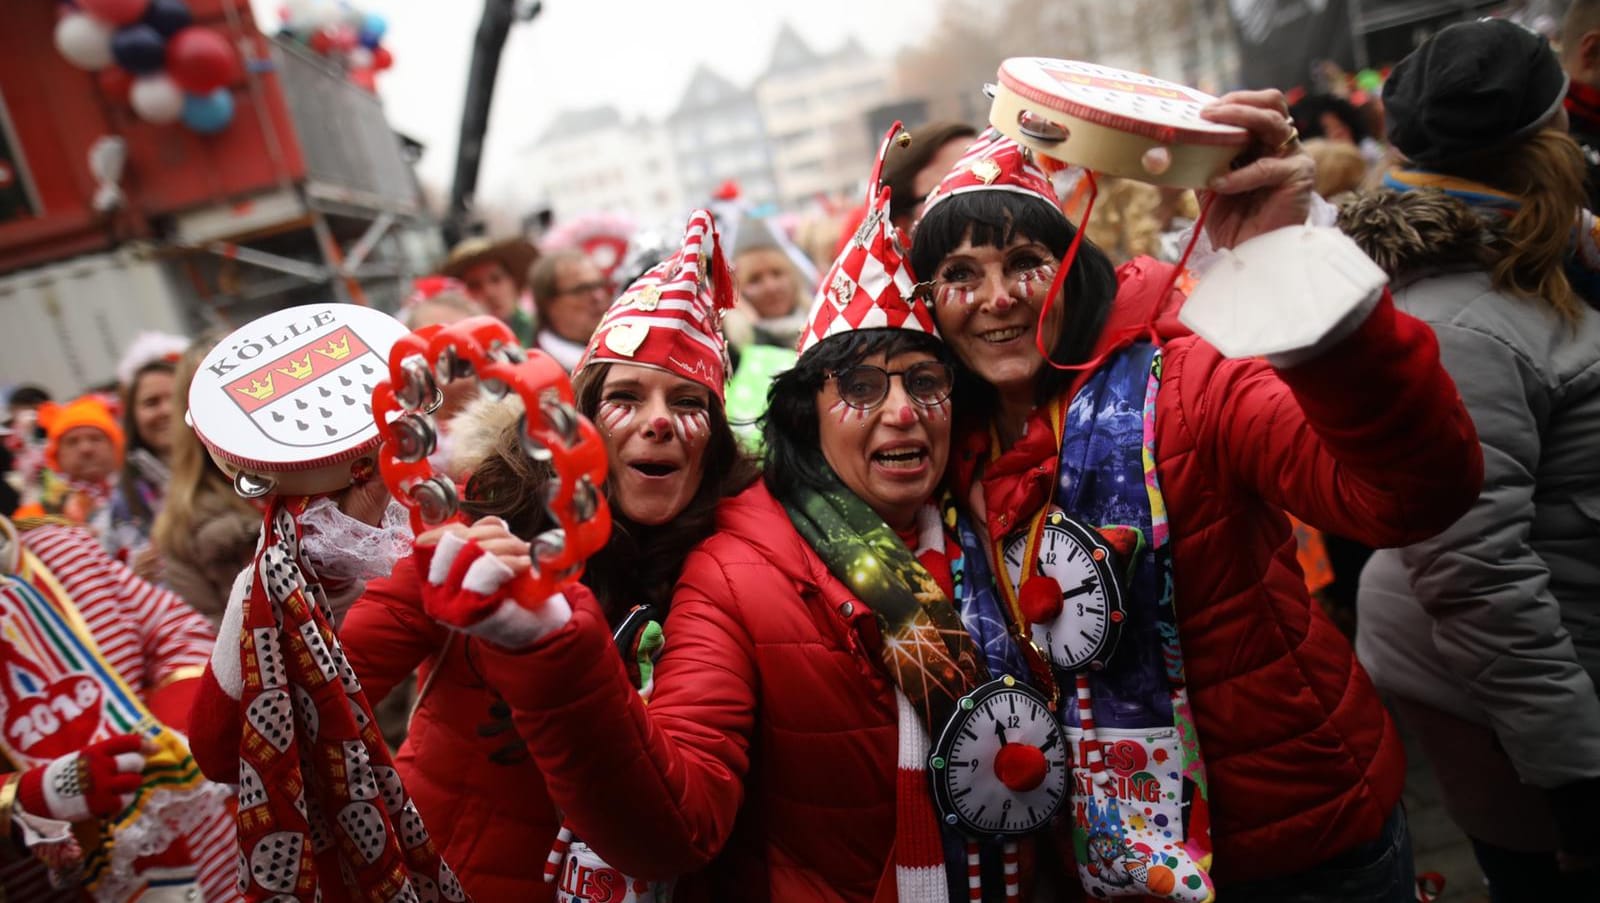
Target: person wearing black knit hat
x,y
1471,89
1482,638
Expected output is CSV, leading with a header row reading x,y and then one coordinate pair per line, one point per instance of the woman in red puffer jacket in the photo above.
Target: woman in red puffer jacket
x,y
673,457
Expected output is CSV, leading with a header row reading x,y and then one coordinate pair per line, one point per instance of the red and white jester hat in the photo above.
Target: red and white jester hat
x,y
670,318
870,285
994,162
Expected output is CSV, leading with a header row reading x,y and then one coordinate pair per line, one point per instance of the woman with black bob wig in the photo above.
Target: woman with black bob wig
x,y
1094,428
996,220
791,429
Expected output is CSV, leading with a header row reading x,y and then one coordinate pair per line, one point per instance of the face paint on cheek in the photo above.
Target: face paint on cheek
x,y
1031,282
692,425
938,410
845,413
956,296
614,416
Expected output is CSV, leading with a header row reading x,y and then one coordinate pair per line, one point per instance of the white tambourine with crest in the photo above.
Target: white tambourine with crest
x,y
284,403
1112,122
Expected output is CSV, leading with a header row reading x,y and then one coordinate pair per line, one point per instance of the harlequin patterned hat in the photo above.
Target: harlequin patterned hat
x,y
994,163
870,285
670,318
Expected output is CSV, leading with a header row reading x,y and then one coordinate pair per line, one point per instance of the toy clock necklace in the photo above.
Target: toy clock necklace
x,y
1081,627
1000,765
1065,598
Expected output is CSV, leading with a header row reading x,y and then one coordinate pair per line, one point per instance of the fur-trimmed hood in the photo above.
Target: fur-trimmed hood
x,y
1407,232
476,428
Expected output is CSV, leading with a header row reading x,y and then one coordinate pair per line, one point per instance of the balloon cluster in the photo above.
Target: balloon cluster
x,y
150,54
339,31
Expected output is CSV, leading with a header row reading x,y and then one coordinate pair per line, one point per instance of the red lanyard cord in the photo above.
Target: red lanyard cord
x,y
1145,329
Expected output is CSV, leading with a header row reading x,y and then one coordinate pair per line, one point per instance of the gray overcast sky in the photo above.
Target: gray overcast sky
x,y
637,54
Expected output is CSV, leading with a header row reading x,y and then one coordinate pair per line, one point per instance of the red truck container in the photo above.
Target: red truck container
x,y
307,195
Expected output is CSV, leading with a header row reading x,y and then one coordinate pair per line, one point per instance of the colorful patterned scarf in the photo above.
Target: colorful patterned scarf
x,y
61,695
1142,825
322,812
926,649
1583,258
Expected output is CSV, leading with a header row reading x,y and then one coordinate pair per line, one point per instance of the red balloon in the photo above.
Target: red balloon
x,y
364,78
321,41
382,58
116,12
115,83
201,60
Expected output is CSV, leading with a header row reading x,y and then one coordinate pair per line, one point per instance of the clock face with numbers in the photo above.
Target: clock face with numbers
x,y
980,786
1085,633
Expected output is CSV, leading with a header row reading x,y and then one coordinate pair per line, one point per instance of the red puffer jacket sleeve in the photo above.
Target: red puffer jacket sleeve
x,y
386,634
1368,440
653,791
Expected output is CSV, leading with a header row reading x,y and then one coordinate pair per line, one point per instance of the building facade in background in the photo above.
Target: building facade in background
x,y
801,132
593,161
717,136
815,108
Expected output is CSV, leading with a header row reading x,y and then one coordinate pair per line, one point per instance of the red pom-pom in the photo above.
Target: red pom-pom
x,y
1020,766
1040,599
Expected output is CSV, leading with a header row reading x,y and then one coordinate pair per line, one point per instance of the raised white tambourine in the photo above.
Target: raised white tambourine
x,y
1285,295
284,404
1111,121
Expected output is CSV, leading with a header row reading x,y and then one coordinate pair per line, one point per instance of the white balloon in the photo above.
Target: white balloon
x,y
360,58
157,99
310,15
84,40
324,13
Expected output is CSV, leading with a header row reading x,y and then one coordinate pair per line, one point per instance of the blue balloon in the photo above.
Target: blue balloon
x,y
139,48
168,16
208,113
373,28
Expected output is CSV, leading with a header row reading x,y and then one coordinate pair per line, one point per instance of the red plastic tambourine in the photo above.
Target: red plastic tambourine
x,y
553,431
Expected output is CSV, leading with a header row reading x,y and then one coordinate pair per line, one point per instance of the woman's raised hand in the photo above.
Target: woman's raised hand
x,y
1272,189
472,581
493,536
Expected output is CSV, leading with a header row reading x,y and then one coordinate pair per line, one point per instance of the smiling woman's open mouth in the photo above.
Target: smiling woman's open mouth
x,y
902,458
654,468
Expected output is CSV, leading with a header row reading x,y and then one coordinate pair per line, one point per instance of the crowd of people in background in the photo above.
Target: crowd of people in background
x,y
766,756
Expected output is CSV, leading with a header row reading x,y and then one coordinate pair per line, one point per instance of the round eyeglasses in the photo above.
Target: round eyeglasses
x,y
865,387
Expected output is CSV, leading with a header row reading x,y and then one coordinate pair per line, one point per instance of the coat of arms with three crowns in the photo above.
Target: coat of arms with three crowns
x,y
316,394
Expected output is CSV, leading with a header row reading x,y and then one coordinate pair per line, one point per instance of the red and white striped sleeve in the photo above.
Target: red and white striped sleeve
x,y
146,632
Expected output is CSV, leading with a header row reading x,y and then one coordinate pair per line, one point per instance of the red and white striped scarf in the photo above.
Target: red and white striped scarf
x,y
919,862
